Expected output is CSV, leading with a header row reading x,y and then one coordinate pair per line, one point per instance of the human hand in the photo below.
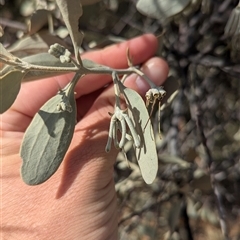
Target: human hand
x,y
78,201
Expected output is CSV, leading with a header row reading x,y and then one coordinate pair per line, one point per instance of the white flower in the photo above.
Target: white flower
x,y
121,117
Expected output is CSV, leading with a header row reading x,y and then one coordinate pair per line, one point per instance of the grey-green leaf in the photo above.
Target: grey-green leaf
x,y
43,59
34,44
71,11
38,20
92,66
10,84
146,154
161,9
28,45
48,137
5,53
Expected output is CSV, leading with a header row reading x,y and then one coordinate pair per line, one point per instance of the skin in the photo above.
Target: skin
x,y
79,200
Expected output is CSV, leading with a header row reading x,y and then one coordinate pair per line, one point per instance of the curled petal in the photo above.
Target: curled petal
x,y
132,130
110,133
124,131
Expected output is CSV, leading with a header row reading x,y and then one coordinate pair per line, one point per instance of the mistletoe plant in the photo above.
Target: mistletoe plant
x,y
49,135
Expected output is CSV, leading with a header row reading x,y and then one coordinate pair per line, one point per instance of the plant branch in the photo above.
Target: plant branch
x,y
83,70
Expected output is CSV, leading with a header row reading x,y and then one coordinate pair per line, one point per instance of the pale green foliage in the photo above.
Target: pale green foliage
x,y
71,12
40,59
161,9
10,86
120,120
49,135
146,154
28,45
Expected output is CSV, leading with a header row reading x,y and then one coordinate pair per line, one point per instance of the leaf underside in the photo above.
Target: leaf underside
x,y
46,141
10,84
71,11
146,154
161,9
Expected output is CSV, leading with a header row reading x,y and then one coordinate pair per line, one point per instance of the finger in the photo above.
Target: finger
x,y
34,94
156,69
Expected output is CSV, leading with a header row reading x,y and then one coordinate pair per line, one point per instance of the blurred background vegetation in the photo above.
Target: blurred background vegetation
x,y
197,191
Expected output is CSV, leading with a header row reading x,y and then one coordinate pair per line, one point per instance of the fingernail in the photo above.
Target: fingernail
x,y
152,70
142,85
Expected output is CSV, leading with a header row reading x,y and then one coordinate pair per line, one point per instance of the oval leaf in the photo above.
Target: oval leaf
x,y
10,84
71,11
48,137
92,66
147,153
161,9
